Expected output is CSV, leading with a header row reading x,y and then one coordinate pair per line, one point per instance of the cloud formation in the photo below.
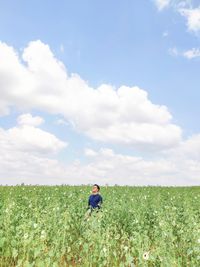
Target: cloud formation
x,y
28,119
179,166
186,9
161,4
122,115
192,53
28,155
26,152
106,167
189,54
192,16
26,137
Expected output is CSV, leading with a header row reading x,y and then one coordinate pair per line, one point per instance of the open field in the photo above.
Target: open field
x,y
138,226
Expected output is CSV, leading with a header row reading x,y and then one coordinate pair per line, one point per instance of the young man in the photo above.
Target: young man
x,y
95,199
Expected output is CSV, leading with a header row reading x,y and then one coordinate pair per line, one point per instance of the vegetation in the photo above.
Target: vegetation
x,y
138,226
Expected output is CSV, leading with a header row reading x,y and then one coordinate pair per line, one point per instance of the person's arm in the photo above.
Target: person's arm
x,y
100,202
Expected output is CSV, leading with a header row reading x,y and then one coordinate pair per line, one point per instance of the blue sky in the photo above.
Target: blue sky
x,y
153,45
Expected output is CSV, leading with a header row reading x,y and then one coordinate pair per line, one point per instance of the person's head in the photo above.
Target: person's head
x,y
95,188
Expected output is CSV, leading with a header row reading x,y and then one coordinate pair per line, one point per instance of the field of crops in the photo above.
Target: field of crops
x,y
138,226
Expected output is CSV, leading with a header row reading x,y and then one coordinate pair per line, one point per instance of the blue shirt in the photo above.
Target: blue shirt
x,y
95,201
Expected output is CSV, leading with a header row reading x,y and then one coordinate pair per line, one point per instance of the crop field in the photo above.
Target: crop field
x,y
45,226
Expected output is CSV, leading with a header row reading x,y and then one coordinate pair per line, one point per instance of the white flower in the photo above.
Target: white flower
x,y
125,248
43,234
104,250
173,223
25,236
198,240
146,255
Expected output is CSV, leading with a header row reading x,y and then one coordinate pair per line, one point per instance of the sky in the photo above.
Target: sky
x,y
100,92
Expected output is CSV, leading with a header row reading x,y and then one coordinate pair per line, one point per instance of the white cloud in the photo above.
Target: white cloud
x,y
188,149
23,160
175,4
189,54
179,167
184,8
28,138
120,115
191,147
151,136
4,109
61,122
173,51
178,4
90,152
26,154
28,119
192,53
193,18
161,4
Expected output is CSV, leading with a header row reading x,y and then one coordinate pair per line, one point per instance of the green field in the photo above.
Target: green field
x,y
138,226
